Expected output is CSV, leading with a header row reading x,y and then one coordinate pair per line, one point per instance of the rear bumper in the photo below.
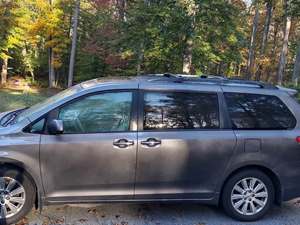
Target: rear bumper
x,y
290,193
289,177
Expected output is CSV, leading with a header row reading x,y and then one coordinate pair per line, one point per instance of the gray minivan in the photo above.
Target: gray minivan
x,y
167,137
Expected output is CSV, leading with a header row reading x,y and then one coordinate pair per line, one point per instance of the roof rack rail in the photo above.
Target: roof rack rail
x,y
244,83
207,79
169,75
204,76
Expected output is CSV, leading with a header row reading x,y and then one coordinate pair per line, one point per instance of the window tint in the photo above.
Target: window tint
x,y
254,111
38,127
180,111
107,112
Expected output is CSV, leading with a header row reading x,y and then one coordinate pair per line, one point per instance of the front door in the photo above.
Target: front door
x,y
95,158
183,150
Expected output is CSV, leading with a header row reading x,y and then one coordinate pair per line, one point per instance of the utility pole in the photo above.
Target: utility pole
x,y
74,43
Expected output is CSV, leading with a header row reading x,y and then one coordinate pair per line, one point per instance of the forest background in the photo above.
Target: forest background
x,y
56,43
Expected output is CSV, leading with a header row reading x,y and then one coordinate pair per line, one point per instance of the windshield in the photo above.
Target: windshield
x,y
40,106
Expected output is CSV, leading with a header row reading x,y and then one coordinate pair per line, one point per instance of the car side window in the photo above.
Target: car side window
x,y
259,112
105,112
179,110
37,127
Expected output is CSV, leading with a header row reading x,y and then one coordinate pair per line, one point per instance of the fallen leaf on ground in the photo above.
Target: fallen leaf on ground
x,y
23,222
82,220
60,221
92,211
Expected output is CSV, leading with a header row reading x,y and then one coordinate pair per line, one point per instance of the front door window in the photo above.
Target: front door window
x,y
107,112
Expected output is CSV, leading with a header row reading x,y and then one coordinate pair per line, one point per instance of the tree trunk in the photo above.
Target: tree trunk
x,y
188,56
51,61
251,54
284,50
239,70
140,51
219,68
4,71
74,43
27,62
296,73
189,39
121,5
269,9
266,26
271,73
51,69
140,59
57,78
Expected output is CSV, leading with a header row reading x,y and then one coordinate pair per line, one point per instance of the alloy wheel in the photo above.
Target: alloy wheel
x,y
12,197
249,196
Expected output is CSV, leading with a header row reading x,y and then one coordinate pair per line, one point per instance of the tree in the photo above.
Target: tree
x,y
121,37
10,36
284,49
191,11
74,43
51,55
50,28
121,7
268,17
269,10
296,73
251,54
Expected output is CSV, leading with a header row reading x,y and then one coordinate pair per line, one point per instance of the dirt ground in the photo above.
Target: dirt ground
x,y
154,214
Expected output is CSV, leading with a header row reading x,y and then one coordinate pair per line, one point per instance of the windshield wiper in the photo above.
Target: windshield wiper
x,y
10,117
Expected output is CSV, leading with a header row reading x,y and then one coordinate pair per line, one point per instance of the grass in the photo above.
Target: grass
x,y
16,99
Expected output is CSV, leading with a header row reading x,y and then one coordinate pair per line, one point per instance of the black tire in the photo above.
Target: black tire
x,y
228,188
30,192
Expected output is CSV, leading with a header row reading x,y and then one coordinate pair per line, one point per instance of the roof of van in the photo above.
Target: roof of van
x,y
168,78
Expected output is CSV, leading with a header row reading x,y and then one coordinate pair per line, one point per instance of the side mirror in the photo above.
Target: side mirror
x,y
55,127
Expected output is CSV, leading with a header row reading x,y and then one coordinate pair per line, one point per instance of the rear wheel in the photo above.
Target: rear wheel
x,y
17,195
248,195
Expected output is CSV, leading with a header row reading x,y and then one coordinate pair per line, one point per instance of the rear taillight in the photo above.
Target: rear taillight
x,y
298,139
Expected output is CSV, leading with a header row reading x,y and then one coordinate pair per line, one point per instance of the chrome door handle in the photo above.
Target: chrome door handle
x,y
151,142
123,143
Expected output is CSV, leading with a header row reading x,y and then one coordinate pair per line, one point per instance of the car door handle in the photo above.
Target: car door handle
x,y
151,142
123,143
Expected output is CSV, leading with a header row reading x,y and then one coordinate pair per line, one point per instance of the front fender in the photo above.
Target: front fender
x,y
22,150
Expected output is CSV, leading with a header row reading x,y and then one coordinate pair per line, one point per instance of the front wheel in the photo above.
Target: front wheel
x,y
17,195
248,195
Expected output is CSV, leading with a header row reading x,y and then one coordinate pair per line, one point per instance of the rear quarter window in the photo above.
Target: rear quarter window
x,y
258,112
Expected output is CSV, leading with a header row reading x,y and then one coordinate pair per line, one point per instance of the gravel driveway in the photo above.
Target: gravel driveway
x,y
154,214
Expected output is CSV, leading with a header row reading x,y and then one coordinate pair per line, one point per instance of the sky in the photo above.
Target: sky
x,y
248,2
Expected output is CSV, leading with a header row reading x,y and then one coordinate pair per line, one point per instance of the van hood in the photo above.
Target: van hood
x,y
9,130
